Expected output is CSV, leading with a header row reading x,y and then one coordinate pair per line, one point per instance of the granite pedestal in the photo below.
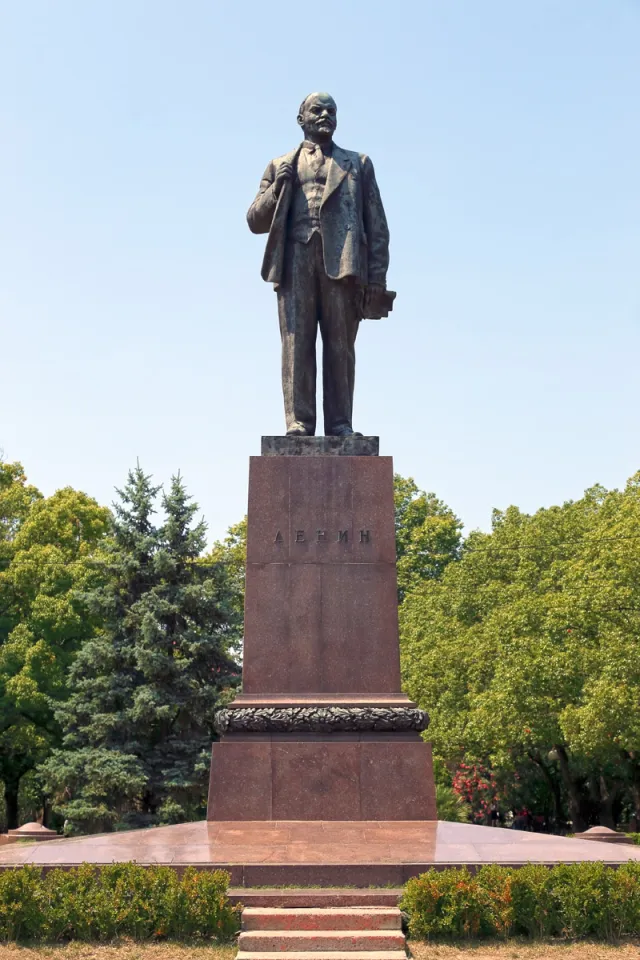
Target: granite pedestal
x,y
321,730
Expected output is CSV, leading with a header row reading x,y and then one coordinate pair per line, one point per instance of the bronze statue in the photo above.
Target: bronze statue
x,y
327,256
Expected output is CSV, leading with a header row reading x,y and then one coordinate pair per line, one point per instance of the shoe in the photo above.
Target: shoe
x,y
298,430
345,431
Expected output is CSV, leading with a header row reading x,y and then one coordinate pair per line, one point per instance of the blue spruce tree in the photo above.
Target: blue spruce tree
x,y
139,722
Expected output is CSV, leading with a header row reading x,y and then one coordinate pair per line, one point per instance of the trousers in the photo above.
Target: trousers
x,y
308,299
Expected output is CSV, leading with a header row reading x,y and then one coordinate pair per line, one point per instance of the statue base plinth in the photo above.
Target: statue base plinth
x,y
335,776
321,730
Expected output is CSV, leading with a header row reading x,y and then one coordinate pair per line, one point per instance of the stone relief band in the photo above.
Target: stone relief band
x,y
319,719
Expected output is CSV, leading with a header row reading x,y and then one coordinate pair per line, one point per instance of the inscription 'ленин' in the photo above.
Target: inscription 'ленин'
x,y
323,536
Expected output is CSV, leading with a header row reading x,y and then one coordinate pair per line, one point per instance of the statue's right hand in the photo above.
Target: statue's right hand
x,y
284,175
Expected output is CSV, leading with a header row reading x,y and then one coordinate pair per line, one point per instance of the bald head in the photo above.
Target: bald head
x,y
317,117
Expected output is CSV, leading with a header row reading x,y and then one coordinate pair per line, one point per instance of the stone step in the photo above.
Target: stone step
x,y
322,918
328,955
316,896
346,941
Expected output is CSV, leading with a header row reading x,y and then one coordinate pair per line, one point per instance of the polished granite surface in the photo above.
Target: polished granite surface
x,y
322,852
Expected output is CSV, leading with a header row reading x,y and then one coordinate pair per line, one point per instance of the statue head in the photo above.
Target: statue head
x,y
317,117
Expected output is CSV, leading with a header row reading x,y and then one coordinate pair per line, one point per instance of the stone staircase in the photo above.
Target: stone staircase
x,y
322,933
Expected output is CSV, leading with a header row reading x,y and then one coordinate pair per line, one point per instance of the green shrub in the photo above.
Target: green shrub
x,y
535,910
119,900
20,908
450,805
571,900
447,904
582,891
496,883
625,900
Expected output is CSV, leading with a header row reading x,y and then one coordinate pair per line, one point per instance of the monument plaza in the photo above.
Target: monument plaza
x,y
321,775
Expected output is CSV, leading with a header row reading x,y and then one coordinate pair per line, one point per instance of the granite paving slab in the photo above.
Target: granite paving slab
x,y
324,853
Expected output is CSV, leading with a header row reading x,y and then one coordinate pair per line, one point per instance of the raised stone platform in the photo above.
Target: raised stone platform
x,y
320,854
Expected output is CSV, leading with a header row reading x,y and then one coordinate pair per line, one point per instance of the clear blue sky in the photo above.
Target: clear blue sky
x,y
133,320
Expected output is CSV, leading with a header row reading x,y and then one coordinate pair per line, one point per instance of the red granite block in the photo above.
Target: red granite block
x,y
316,780
320,506
320,600
359,629
323,875
299,506
325,628
310,897
373,508
268,510
397,781
342,942
283,640
321,918
321,780
240,781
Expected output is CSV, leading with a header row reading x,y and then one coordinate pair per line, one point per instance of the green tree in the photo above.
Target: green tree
x,y
525,652
139,721
16,499
428,535
225,563
602,587
46,551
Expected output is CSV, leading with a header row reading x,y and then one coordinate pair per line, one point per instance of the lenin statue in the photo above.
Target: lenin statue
x,y
327,256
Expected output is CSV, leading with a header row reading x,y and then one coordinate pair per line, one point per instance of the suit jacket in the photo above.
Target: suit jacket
x,y
355,236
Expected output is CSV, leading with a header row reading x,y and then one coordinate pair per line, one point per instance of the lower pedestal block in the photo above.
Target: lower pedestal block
x,y
314,778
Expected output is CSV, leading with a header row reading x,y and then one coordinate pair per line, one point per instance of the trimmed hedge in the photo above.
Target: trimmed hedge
x,y
144,903
569,900
119,900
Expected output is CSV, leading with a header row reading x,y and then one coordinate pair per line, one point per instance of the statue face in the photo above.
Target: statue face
x,y
318,118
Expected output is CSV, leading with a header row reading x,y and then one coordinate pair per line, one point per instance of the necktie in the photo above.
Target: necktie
x,y
315,159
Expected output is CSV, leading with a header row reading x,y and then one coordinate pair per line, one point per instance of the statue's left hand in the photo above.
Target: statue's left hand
x,y
375,302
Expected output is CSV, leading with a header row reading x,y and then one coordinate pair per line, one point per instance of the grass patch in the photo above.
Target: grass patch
x,y
515,950
170,950
126,950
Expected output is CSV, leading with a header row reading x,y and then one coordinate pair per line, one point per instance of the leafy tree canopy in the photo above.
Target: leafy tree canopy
x,y
225,564
428,535
46,551
526,651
